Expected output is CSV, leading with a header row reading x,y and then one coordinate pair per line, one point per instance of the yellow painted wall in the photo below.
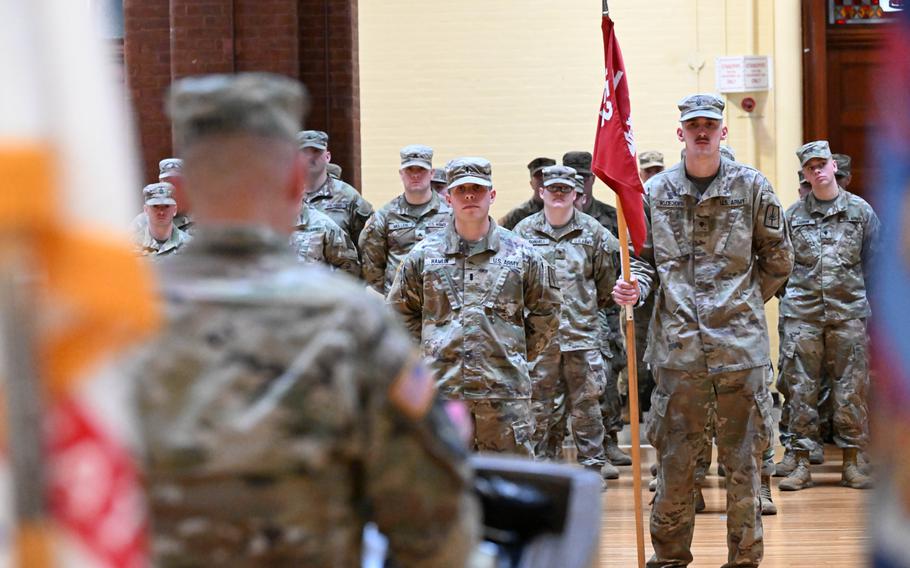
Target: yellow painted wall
x,y
513,79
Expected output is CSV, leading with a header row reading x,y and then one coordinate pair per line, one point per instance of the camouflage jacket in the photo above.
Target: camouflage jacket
x,y
613,341
342,204
524,210
392,232
146,245
833,246
480,311
281,409
316,238
605,215
718,259
182,221
585,257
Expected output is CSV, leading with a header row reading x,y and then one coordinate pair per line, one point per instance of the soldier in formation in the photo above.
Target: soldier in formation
x,y
585,257
482,304
534,204
438,183
169,171
317,239
159,236
823,327
719,246
341,202
393,230
613,346
282,409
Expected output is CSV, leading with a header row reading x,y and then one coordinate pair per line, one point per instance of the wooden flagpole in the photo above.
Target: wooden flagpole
x,y
632,372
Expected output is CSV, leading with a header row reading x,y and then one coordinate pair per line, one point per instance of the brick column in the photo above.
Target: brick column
x,y
202,37
147,61
329,66
266,36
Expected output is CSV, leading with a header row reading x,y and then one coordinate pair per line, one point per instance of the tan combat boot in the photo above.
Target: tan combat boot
x,y
852,475
800,477
609,471
817,455
785,466
767,505
596,469
614,455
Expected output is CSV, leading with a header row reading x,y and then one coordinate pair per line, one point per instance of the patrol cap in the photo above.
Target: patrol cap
x,y
649,159
702,104
559,174
579,184
439,175
817,149
161,193
261,104
170,167
313,139
469,170
417,155
538,164
334,170
843,165
579,161
727,152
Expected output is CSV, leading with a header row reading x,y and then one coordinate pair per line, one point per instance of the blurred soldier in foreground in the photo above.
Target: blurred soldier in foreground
x,y
401,223
316,238
585,257
159,236
341,202
482,303
650,163
533,205
719,246
282,408
438,182
824,310
613,346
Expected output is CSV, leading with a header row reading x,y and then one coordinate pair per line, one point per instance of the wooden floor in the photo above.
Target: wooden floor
x,y
821,526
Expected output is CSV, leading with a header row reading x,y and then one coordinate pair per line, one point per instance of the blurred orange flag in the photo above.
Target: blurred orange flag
x,y
67,188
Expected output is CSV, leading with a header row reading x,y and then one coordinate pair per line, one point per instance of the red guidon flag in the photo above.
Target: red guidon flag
x,y
614,147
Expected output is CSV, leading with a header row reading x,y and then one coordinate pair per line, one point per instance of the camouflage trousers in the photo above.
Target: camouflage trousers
x,y
704,456
580,376
680,410
614,360
502,425
645,377
810,351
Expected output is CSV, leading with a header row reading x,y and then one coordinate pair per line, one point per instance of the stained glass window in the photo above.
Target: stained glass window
x,y
862,11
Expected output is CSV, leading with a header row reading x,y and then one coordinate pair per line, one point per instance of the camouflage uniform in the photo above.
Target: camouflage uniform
x,y
316,238
523,211
343,205
613,345
718,256
145,243
268,424
282,409
824,310
531,206
585,257
394,230
481,311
